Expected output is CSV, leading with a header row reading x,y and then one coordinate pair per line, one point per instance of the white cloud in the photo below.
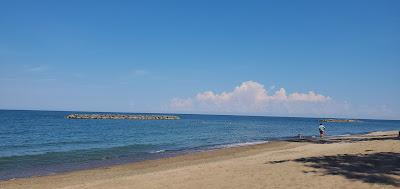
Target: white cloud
x,y
181,103
308,97
251,97
39,68
139,72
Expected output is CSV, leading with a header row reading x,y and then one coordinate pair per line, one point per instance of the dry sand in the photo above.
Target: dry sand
x,y
364,161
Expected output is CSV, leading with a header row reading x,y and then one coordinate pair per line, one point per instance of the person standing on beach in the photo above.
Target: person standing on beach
x,y
321,130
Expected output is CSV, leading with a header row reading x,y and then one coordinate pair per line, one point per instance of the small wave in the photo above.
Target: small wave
x,y
344,135
157,151
114,150
58,143
240,144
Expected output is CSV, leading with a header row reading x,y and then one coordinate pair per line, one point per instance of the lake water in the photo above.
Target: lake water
x,y
45,142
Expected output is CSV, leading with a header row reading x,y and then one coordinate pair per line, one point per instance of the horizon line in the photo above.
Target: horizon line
x,y
209,114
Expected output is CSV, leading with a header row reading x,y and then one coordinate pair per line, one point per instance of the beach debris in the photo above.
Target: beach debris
x,y
122,116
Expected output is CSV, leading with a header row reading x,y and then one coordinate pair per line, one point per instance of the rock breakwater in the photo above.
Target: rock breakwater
x,y
338,120
122,116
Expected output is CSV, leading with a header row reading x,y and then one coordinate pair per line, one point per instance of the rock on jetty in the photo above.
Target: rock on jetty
x,y
122,116
338,120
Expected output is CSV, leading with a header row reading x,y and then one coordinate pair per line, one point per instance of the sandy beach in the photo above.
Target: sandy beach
x,y
360,161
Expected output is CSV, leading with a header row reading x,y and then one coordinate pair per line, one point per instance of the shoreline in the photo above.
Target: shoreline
x,y
194,159
156,157
163,155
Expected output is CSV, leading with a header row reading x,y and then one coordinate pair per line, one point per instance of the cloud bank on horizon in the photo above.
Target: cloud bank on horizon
x,y
248,97
252,98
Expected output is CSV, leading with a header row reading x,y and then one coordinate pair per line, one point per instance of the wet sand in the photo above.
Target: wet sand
x,y
360,161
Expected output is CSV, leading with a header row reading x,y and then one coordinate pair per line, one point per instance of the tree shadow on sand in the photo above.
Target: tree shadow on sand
x,y
376,168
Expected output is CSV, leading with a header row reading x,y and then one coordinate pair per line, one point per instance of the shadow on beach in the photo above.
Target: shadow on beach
x,y
376,168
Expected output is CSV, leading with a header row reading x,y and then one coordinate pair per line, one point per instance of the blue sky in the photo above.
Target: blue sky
x,y
146,56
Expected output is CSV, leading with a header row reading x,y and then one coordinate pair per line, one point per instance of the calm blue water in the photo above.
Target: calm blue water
x,y
44,142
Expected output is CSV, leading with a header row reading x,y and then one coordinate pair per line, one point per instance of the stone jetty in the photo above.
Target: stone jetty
x,y
122,116
338,120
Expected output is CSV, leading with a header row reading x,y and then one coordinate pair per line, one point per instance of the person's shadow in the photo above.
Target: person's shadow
x,y
377,168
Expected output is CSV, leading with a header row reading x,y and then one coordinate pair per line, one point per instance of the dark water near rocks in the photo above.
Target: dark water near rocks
x,y
44,142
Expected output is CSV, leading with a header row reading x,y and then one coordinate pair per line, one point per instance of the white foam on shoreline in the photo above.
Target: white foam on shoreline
x,y
344,135
240,144
158,151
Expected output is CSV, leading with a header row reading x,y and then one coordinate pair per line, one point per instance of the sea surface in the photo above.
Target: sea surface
x,y
34,143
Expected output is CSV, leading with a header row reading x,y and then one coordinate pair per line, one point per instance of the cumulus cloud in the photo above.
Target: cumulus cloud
x,y
251,97
181,103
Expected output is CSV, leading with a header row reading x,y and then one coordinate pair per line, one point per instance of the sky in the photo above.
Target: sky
x,y
274,58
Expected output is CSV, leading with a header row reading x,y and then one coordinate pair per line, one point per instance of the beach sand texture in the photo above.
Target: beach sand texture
x,y
362,161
